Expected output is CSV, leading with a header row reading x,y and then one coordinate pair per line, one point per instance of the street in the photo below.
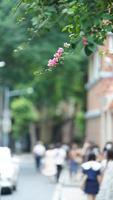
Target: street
x,y
31,184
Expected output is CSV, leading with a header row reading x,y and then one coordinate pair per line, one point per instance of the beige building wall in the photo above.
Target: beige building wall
x,y
99,116
93,128
96,95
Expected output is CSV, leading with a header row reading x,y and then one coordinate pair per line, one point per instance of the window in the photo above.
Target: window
x,y
110,42
96,64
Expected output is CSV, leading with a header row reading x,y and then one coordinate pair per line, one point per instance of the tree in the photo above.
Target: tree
x,y
86,21
12,35
23,113
25,55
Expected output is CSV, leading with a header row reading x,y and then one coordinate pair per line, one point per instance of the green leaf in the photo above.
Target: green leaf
x,y
88,50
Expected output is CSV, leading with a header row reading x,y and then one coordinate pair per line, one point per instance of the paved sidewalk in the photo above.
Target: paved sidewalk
x,y
67,190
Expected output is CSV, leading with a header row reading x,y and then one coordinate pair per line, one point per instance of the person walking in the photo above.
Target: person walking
x,y
106,188
49,166
74,161
38,151
92,169
60,160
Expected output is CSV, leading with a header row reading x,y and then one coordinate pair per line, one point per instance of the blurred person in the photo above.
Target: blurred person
x,y
60,160
107,147
74,146
74,160
86,149
106,189
38,151
66,148
92,169
96,150
100,158
49,165
79,156
89,147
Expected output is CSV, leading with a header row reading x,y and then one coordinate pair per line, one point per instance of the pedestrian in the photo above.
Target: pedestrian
x,y
38,151
60,160
107,147
86,149
92,169
74,160
106,189
49,166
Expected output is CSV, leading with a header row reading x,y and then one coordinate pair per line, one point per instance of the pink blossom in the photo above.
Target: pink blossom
x,y
52,62
55,61
57,55
60,50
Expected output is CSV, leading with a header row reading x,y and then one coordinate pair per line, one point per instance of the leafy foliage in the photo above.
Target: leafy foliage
x,y
25,53
11,35
92,19
63,82
23,113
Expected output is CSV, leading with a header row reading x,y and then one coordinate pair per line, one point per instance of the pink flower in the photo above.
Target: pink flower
x,y
60,50
52,62
57,55
55,61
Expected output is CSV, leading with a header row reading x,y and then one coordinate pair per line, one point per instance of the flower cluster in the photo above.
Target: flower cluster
x,y
53,62
58,58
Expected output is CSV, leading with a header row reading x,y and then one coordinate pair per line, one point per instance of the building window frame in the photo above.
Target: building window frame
x,y
96,64
110,42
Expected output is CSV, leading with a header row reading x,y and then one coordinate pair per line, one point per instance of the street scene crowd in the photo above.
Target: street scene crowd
x,y
86,167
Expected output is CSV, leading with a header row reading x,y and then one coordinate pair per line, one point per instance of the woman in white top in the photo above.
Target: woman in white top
x,y
49,165
106,189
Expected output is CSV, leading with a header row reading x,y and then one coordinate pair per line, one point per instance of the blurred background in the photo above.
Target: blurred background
x,y
51,119
33,106
56,125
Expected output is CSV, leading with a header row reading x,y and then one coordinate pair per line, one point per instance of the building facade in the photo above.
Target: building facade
x,y
99,115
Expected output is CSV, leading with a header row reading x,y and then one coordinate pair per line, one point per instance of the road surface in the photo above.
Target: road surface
x,y
31,185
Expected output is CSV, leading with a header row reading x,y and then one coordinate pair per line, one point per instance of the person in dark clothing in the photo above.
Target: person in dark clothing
x,y
92,170
60,160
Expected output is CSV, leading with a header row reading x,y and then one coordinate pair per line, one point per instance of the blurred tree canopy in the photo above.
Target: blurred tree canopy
x,y
23,114
26,53
82,19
